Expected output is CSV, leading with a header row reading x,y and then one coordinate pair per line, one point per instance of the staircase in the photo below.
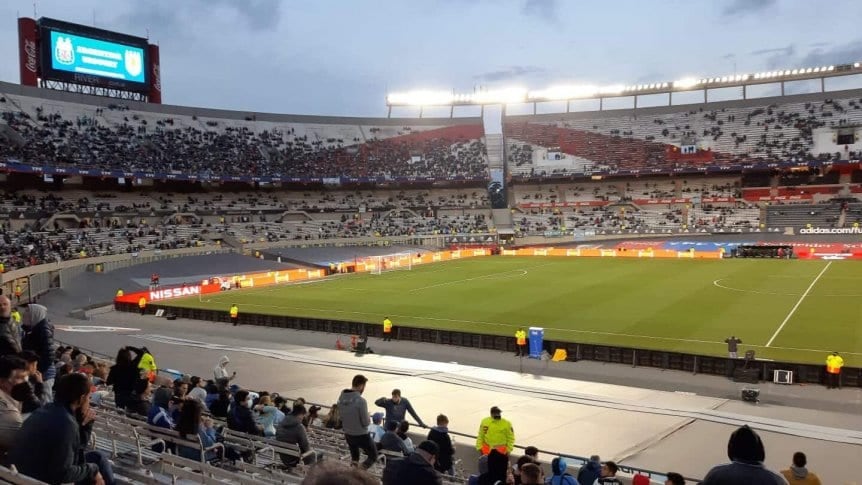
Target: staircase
x,y
503,220
494,145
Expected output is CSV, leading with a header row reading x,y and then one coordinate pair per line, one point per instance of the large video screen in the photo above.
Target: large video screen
x,y
85,55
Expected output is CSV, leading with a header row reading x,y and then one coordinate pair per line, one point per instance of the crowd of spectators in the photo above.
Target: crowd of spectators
x,y
116,138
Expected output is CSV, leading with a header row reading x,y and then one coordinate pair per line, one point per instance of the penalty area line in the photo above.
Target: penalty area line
x,y
798,302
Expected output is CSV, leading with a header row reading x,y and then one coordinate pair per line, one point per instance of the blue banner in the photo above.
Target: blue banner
x,y
83,55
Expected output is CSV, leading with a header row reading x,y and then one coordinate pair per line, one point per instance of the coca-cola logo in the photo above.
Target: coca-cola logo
x,y
157,77
30,52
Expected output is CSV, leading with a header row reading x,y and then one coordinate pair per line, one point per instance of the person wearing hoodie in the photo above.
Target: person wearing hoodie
x,y
560,477
355,421
797,474
591,470
240,417
746,453
10,334
39,338
124,374
220,372
440,436
293,432
418,468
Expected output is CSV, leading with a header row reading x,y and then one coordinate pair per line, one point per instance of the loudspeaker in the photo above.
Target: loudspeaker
x,y
171,316
751,376
750,395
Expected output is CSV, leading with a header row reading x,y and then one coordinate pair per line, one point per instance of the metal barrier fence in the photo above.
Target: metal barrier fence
x,y
635,357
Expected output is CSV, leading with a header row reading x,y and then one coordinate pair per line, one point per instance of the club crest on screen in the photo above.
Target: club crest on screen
x,y
134,63
63,52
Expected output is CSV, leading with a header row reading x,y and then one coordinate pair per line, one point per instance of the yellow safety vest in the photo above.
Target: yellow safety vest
x,y
834,363
18,290
495,434
387,325
16,317
521,336
234,311
142,303
119,293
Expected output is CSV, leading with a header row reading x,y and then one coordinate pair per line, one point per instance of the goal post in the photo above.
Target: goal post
x,y
392,262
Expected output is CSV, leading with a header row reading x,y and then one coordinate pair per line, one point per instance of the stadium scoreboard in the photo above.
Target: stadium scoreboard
x,y
69,54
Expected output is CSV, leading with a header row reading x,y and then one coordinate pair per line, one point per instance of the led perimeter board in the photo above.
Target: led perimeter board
x,y
79,54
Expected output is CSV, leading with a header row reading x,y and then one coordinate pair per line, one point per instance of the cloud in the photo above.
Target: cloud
x,y
839,54
257,14
788,51
745,7
509,73
173,19
544,9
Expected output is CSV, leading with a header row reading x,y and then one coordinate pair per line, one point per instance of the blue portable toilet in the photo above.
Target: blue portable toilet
x,y
536,342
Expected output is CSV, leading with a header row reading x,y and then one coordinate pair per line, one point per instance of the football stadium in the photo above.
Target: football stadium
x,y
536,280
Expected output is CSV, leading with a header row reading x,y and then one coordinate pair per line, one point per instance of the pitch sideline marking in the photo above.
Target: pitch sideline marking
x,y
798,302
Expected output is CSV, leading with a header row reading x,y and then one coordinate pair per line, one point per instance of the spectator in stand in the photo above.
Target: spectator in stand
x,y
57,436
39,338
397,408
403,428
798,474
609,475
498,471
560,476
293,432
13,374
198,392
240,417
181,388
139,404
531,455
10,333
446,451
418,468
391,441
38,394
333,419
221,405
674,478
375,429
495,433
591,470
354,417
313,419
640,479
192,425
162,410
746,453
532,474
268,415
220,372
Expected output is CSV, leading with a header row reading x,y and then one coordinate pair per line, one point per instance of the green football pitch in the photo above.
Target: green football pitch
x,y
784,310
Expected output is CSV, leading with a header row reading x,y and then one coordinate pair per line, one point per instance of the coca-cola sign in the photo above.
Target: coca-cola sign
x,y
31,62
157,77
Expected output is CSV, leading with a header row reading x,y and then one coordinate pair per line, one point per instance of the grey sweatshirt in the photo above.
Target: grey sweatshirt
x,y
354,413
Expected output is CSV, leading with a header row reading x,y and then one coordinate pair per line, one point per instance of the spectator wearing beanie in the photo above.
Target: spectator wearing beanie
x,y
418,468
746,453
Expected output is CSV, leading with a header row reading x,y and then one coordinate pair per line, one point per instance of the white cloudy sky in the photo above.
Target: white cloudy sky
x,y
343,56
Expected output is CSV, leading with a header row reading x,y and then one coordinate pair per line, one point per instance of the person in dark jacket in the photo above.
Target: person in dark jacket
x,y
418,468
139,404
293,432
397,408
440,436
57,436
10,335
746,453
39,338
124,374
591,471
219,406
391,441
240,418
38,395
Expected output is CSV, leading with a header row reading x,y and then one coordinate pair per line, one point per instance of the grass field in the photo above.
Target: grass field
x,y
785,310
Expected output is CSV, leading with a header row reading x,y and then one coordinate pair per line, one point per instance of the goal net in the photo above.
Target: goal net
x,y
392,262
